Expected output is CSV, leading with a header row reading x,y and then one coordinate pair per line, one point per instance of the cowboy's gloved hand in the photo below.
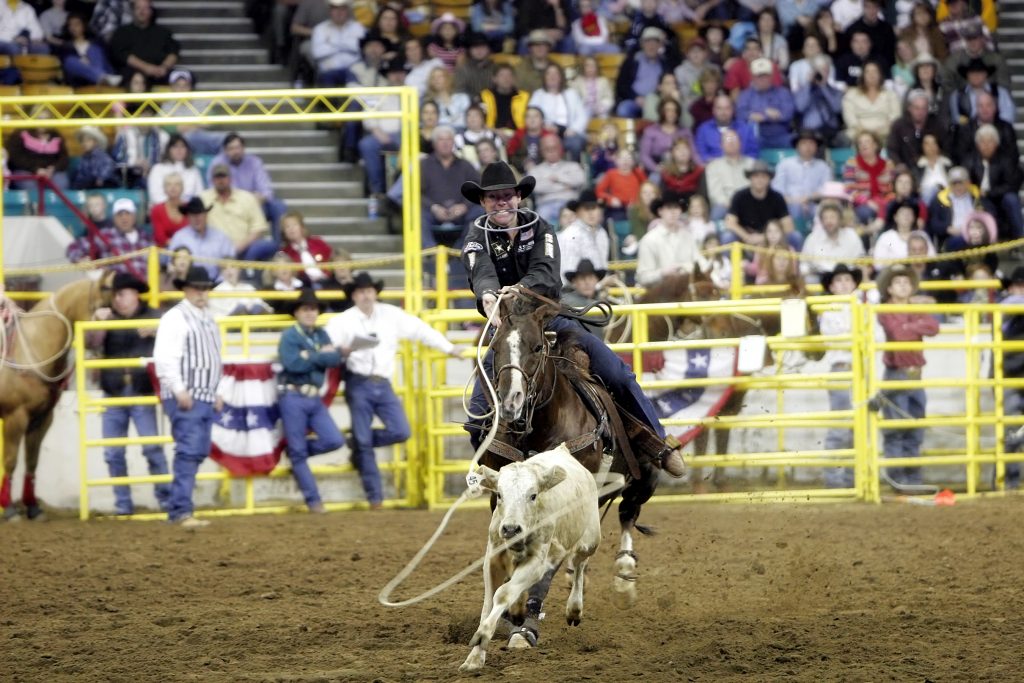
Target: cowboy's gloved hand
x,y
489,299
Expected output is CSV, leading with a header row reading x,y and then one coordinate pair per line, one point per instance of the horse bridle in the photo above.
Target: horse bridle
x,y
521,426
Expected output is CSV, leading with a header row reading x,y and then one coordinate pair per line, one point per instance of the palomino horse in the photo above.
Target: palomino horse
x,y
538,408
32,377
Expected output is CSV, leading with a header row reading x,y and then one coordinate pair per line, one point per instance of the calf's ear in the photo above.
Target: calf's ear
x,y
490,478
553,477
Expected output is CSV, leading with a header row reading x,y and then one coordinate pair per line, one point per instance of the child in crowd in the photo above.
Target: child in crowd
x,y
281,280
567,216
932,168
699,218
897,285
620,187
602,156
762,268
95,167
681,173
476,132
524,147
243,305
96,210
841,281
640,217
177,269
716,263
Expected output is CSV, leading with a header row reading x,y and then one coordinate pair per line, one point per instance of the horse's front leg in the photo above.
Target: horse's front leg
x,y
14,430
624,583
33,444
523,577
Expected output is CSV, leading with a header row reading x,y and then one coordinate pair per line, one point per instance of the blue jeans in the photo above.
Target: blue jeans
x,y
273,209
371,150
260,250
448,234
80,72
366,397
33,48
628,109
191,432
838,438
335,78
301,414
604,363
903,443
115,425
1008,207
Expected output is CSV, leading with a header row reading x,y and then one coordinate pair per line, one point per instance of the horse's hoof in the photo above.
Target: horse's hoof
x,y
623,593
523,639
11,514
474,662
574,618
35,513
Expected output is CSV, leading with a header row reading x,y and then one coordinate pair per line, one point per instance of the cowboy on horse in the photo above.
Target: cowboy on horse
x,y
507,249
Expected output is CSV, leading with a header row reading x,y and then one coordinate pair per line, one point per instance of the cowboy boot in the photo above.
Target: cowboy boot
x,y
672,459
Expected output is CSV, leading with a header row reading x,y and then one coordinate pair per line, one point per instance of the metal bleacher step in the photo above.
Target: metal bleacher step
x,y
313,171
206,40
291,190
327,207
296,154
224,56
363,244
169,9
244,85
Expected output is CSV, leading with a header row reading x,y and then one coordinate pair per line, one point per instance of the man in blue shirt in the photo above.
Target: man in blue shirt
x,y
305,352
800,178
708,138
768,108
203,241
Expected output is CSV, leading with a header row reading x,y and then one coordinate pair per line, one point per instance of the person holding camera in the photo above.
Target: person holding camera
x,y
820,104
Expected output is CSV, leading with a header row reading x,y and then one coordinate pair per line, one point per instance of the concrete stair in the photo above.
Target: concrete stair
x,y
1011,44
220,46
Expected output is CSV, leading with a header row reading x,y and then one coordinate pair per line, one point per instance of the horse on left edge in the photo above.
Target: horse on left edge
x,y
33,371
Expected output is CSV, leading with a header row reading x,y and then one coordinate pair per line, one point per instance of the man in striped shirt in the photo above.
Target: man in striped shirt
x,y
188,365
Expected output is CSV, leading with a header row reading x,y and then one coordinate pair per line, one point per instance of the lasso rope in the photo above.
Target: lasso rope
x,y
35,366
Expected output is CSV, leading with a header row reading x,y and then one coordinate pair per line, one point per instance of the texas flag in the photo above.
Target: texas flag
x,y
693,403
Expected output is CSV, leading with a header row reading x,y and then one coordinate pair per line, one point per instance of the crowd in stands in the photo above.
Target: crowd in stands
x,y
842,130
798,126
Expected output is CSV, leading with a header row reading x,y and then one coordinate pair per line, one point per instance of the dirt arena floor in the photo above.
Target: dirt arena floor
x,y
842,592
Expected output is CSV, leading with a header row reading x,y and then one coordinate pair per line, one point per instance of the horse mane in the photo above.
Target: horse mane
x,y
668,289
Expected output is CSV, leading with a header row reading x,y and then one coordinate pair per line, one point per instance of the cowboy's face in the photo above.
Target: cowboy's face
x,y
976,78
197,296
126,301
842,284
364,298
198,221
306,315
505,203
586,284
900,287
591,214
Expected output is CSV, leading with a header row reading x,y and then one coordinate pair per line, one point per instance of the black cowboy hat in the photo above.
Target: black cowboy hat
x,y
194,205
587,198
841,269
667,199
361,280
585,267
197,276
475,39
129,281
498,176
975,64
307,297
393,65
1016,277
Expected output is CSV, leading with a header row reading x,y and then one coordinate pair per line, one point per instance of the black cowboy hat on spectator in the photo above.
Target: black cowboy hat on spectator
x,y
197,277
885,278
587,200
1016,277
476,39
129,281
975,64
759,167
307,297
841,269
498,176
808,134
371,37
667,199
194,205
362,280
393,65
585,267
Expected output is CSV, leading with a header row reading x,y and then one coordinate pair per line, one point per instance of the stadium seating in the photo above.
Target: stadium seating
x,y
772,157
17,203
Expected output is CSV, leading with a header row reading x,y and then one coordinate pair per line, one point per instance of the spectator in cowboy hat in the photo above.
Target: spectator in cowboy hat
x,y
306,353
202,240
187,354
840,281
753,207
584,288
669,247
977,75
640,74
368,335
586,239
95,167
530,70
800,178
128,382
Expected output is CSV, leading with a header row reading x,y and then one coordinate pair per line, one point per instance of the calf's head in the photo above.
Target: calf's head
x,y
518,488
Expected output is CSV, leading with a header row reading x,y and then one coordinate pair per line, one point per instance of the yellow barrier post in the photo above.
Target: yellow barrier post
x,y
972,399
997,390
441,276
736,262
83,450
153,276
859,394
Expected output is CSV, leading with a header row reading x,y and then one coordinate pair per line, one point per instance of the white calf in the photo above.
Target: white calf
x,y
547,508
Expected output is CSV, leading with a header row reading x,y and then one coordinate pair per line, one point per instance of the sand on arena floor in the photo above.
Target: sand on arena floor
x,y
831,592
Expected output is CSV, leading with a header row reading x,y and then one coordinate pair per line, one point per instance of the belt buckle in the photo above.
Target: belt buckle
x,y
310,390
913,373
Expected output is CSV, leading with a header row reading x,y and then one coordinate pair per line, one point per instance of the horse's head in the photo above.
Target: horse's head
x,y
520,351
78,300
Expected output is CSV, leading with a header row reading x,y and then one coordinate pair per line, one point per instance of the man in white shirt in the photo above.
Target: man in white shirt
x,y
419,66
188,364
20,30
830,244
335,44
585,238
669,247
368,372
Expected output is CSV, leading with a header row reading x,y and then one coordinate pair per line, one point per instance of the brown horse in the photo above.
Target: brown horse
x,y
538,408
32,377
